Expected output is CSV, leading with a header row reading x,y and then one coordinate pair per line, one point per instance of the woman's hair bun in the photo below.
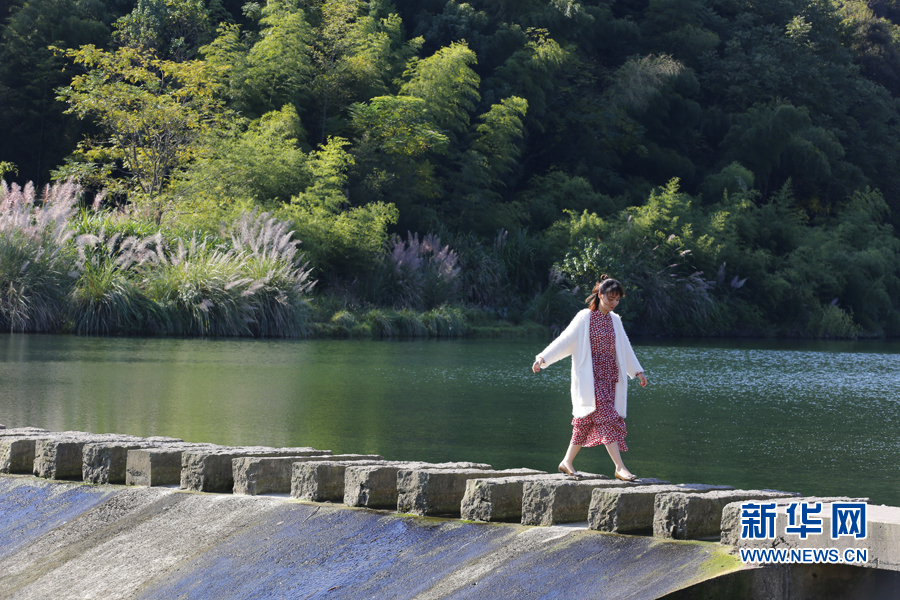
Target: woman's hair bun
x,y
604,277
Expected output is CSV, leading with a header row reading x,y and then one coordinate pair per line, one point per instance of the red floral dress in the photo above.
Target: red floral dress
x,y
604,425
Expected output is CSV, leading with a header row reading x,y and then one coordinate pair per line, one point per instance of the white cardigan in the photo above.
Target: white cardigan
x,y
575,341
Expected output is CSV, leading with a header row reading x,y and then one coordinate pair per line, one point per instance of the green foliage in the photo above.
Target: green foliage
x,y
170,28
397,144
355,53
832,322
874,43
152,111
662,296
555,305
263,73
776,141
7,167
547,198
36,133
731,180
258,166
252,281
415,274
337,239
759,139
448,85
532,73
476,194
398,126
106,300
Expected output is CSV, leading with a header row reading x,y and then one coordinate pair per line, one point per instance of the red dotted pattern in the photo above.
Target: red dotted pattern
x,y
604,425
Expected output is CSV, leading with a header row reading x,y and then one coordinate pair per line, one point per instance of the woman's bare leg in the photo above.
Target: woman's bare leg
x,y
614,454
567,462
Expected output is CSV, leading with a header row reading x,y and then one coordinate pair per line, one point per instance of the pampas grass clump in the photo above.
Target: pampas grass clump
x,y
279,278
35,258
251,282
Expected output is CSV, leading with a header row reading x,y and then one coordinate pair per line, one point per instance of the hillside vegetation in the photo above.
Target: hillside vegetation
x,y
423,166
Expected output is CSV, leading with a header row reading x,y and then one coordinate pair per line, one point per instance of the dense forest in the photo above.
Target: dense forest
x,y
424,166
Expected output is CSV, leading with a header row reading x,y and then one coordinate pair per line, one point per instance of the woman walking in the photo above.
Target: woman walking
x,y
601,359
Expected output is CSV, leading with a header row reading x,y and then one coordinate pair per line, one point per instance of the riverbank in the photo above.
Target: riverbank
x,y
442,322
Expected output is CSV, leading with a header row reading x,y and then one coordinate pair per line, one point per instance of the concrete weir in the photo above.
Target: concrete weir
x,y
66,540
224,534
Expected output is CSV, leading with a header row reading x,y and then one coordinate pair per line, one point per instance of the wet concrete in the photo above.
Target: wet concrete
x,y
70,540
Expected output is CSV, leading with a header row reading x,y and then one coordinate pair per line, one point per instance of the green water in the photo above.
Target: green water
x,y
813,417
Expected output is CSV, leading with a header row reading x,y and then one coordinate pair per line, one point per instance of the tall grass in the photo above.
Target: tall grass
x,y
416,274
254,285
35,257
280,278
252,281
556,304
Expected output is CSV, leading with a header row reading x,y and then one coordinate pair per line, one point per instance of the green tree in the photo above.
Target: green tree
x,y
264,73
356,52
262,165
449,86
171,28
337,238
153,113
780,142
535,73
397,143
476,198
36,135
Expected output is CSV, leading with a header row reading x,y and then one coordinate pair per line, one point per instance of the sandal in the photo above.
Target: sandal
x,y
629,479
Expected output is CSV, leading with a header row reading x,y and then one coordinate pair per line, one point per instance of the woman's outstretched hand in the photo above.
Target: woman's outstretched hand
x,y
536,366
642,379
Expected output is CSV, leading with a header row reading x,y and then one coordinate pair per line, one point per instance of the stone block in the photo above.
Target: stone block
x,y
211,470
441,491
17,449
14,431
566,500
273,474
630,509
17,454
158,465
60,456
105,462
376,486
323,481
683,516
498,499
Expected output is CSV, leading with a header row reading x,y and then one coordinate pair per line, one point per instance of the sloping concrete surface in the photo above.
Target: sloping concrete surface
x,y
70,540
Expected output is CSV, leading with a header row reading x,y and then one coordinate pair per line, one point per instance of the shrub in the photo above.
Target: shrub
x,y
832,322
278,274
445,322
556,304
663,293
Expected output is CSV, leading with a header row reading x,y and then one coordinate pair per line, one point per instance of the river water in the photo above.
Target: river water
x,y
813,417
